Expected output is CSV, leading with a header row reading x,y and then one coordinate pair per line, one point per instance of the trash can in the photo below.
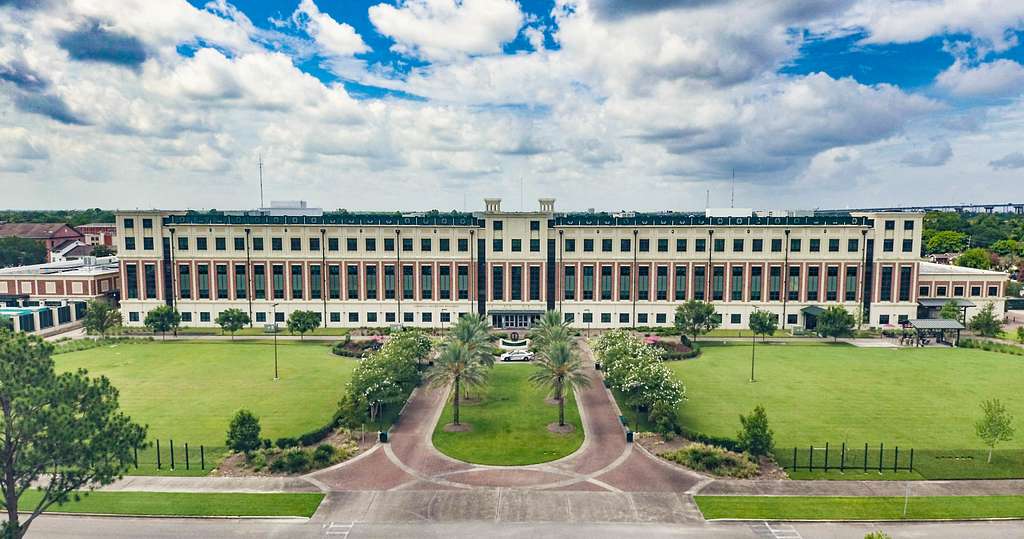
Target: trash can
x,y
382,435
623,419
597,366
629,436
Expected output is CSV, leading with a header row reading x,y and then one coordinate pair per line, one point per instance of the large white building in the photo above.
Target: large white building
x,y
600,270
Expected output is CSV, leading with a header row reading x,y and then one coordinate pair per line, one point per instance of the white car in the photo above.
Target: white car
x,y
519,355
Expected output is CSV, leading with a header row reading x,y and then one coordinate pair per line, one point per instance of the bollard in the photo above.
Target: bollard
x,y
158,454
826,457
911,467
881,452
629,436
810,459
865,457
172,454
842,458
202,457
186,456
136,458
382,436
794,458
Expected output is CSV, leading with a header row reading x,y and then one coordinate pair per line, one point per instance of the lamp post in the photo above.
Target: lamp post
x,y
587,315
443,313
275,341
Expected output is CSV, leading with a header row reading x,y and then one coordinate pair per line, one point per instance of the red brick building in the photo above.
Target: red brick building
x,y
50,234
99,233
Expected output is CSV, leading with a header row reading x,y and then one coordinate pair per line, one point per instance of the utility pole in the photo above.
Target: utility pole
x,y
261,180
732,194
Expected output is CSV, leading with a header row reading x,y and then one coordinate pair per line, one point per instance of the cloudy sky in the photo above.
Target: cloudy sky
x,y
421,104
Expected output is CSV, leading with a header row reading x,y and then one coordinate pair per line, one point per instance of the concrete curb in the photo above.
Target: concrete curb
x,y
190,517
891,521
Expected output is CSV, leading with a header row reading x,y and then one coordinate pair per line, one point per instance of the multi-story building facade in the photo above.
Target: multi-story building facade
x,y
600,270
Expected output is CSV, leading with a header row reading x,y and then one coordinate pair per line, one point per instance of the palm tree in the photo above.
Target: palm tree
x,y
548,330
474,333
456,365
558,368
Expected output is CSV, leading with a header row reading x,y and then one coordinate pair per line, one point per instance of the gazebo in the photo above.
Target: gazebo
x,y
936,327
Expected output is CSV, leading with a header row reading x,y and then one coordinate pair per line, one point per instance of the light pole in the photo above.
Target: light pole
x,y
590,318
275,341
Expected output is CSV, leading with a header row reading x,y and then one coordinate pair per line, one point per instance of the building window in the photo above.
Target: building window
x,y
833,245
296,244
923,291
182,243
332,245
276,244
129,243
463,282
606,318
813,282
624,278
735,318
534,285
681,245
149,276
261,316
515,275
887,245
661,284
408,317
426,282
993,291
890,225
700,245
719,245
588,283
570,282
699,282
776,245
588,245
352,244
147,223
832,283
406,245
958,291
239,244
606,282
427,317
296,281
774,283
815,245
641,318
852,245
314,244
851,284
736,287
793,286
662,245
588,317
791,318
757,245
660,318
794,245
129,222
371,244
371,317
737,246
185,281
908,225
371,281
389,282
389,317
497,225
755,283
570,245
680,283
606,245
277,278
643,283
625,245
257,244
444,278
147,243
886,284
241,290
497,245
534,246
334,281
133,316
517,245
908,246
623,318
353,317
463,245
279,316
407,282
717,283
534,225
335,316
644,245
259,282
940,291
389,244
315,282
883,319
498,283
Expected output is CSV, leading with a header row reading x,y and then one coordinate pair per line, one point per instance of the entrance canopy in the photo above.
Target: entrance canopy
x,y
812,310
939,302
935,323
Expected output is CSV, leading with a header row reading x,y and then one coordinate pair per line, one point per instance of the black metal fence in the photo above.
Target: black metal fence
x,y
846,457
166,455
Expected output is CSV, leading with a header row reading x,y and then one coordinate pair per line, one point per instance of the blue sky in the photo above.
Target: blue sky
x,y
422,104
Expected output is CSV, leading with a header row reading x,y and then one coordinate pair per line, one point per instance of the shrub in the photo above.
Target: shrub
x,y
877,535
285,442
317,435
755,437
714,460
323,454
244,432
992,346
665,419
720,441
266,443
296,461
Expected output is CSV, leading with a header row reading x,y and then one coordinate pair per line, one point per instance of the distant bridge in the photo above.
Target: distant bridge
x,y
1003,207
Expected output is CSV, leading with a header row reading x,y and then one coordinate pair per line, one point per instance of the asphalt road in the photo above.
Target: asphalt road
x,y
116,528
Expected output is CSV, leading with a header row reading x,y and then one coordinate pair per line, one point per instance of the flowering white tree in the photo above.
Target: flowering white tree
x,y
636,369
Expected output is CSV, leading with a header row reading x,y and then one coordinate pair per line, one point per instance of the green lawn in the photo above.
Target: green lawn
x,y
188,391
186,504
860,508
926,399
510,423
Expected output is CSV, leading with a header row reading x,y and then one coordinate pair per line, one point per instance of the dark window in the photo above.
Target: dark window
x,y
131,275
883,319
908,245
606,245
908,225
351,244
833,245
332,244
993,291
890,225
314,244
497,245
624,282
203,276
147,243
182,243
129,243
534,225
662,245
774,283
257,244
425,245
755,283
389,244
371,245
296,281
389,282
832,283
517,246
680,283
624,245
534,283
793,286
886,288
905,277
815,245
757,245
427,317
850,289
700,245
204,316
719,245
643,283
296,244
606,318
352,281
497,283
371,281
185,281
515,275
426,282
239,244
334,281
794,245
958,291
717,283
276,244
681,245
623,318
261,316
737,246
534,246
444,245
353,316
407,282
570,282
736,286
735,318
699,282
570,245
661,284
641,318
389,317
335,317
645,245
147,223
852,245
259,282
129,222
240,282
588,282
497,225
606,282
813,282
923,291
406,244
660,318
444,277
887,245
776,245
315,282
463,282
588,245
463,245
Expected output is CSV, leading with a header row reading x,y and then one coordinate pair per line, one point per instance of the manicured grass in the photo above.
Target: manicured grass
x,y
188,391
920,398
185,504
719,332
860,508
510,423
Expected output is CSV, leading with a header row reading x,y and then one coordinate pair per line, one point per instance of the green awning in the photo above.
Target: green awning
x,y
812,310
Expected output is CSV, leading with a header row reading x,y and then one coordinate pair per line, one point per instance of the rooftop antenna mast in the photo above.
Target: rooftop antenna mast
x,y
732,194
261,179
707,199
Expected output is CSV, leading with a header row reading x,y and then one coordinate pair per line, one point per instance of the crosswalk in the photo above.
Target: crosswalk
x,y
770,530
338,529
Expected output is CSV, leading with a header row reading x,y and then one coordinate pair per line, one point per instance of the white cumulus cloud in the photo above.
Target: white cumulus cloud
x,y
444,30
